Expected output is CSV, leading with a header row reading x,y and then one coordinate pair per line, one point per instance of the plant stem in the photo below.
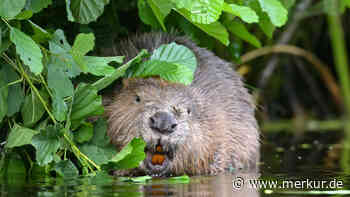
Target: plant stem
x,y
341,63
80,154
24,74
105,81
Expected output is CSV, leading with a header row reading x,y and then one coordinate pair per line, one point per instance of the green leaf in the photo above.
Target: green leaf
x,y
28,50
40,34
86,102
66,169
85,11
33,109
344,4
20,136
167,71
290,3
239,30
61,87
215,29
161,8
26,14
146,14
136,156
83,43
57,80
183,3
59,108
61,49
264,21
3,93
10,8
275,10
140,179
15,92
37,5
123,153
84,134
99,65
172,62
205,12
176,54
245,13
99,149
180,179
46,144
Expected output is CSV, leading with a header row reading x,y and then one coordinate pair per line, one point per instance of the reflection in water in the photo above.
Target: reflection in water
x,y
220,186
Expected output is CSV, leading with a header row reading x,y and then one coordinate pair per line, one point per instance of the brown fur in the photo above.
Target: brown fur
x,y
219,133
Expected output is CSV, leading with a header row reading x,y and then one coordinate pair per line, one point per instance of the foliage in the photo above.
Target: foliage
x,y
51,77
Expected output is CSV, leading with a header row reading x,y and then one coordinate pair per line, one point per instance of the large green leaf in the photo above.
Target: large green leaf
x,y
20,136
205,12
134,158
172,62
176,54
33,109
275,10
10,8
85,11
247,14
37,5
62,53
86,102
239,30
3,94
15,92
161,8
46,144
215,29
99,149
28,50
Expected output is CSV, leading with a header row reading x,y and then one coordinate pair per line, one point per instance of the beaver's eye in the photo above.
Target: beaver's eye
x,y
137,99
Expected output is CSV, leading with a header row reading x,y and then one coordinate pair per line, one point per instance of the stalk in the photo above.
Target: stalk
x,y
341,63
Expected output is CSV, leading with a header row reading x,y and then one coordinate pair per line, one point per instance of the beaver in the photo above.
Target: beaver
x,y
205,128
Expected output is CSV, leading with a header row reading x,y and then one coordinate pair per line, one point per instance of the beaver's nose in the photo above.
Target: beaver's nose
x,y
163,122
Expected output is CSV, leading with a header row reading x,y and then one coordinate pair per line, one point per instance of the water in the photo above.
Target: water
x,y
301,169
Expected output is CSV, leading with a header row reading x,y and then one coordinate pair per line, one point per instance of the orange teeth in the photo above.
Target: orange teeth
x,y
158,159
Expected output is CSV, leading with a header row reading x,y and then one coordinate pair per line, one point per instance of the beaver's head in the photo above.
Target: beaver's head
x,y
168,117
